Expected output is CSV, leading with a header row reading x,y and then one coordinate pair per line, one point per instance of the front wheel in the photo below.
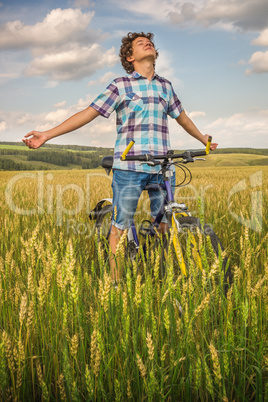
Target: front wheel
x,y
104,221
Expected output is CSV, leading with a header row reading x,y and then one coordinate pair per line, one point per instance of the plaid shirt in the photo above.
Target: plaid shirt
x,y
142,107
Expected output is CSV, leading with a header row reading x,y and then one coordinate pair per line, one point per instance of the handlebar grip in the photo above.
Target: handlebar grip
x,y
208,145
130,145
140,158
198,153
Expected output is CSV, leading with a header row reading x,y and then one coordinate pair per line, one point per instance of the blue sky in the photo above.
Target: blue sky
x,y
56,56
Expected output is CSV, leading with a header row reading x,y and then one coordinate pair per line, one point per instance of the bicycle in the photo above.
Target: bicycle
x,y
191,240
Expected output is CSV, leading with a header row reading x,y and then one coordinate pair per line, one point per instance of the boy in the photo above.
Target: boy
x,y
142,101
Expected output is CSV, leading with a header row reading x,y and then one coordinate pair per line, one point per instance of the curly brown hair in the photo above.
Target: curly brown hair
x,y
126,48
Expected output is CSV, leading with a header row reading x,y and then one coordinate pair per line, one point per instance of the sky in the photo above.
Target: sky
x,y
57,56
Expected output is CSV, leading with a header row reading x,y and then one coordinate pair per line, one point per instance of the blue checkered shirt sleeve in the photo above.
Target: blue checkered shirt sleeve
x,y
108,101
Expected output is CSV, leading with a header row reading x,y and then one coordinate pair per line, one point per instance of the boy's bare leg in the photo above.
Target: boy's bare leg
x,y
115,264
162,228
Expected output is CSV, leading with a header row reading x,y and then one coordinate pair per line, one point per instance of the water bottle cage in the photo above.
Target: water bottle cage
x,y
146,228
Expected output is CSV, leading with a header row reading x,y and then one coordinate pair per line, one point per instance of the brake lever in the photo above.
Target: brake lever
x,y
151,163
187,158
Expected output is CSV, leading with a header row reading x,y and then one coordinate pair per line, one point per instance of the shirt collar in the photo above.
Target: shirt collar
x,y
137,75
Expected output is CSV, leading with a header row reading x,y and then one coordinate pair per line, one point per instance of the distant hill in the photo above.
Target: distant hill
x,y
253,151
233,159
16,156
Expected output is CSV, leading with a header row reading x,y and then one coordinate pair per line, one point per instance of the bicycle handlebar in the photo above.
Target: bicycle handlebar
x,y
187,155
148,157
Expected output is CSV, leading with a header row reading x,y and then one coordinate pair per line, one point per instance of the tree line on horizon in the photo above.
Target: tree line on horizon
x,y
54,156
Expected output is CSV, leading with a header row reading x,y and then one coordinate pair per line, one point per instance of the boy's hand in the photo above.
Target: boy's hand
x,y
36,140
213,145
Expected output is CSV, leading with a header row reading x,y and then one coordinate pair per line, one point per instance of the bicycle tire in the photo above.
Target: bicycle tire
x,y
103,224
199,236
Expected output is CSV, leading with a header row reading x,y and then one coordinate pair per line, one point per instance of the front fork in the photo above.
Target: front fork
x,y
133,242
174,211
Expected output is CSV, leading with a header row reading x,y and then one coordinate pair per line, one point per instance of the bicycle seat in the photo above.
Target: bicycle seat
x,y
107,162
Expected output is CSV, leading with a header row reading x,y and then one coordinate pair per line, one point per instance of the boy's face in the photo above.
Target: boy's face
x,y
142,48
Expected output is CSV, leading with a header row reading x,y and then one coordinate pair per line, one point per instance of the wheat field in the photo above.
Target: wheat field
x,y
67,334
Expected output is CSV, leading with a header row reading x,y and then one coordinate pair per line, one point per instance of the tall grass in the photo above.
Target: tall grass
x,y
68,334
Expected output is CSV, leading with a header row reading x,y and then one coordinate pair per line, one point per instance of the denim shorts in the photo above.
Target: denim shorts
x,y
127,187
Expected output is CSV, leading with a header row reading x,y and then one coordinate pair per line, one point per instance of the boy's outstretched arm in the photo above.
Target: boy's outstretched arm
x,y
191,129
36,139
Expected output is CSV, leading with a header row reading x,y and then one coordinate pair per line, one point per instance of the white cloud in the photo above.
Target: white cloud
x,y
262,40
51,84
62,46
101,132
155,9
60,104
104,79
58,27
56,117
259,62
46,121
247,129
163,68
241,63
245,15
195,114
3,126
72,64
23,119
264,112
4,77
